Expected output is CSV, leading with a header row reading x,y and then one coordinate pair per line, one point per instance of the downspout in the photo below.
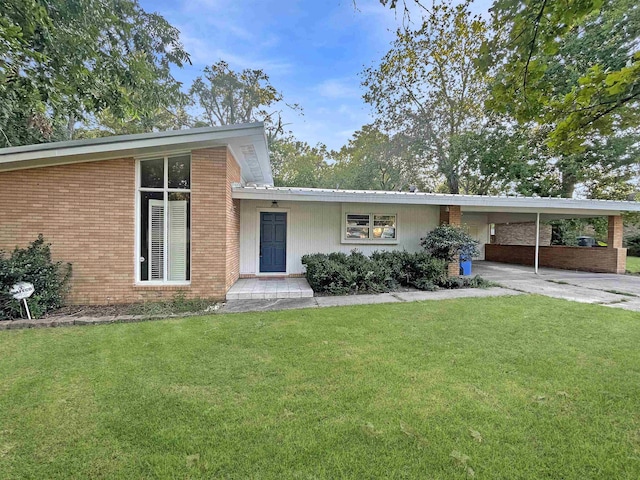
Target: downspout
x,y
537,242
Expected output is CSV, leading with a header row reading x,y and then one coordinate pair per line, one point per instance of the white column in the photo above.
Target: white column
x,y
537,242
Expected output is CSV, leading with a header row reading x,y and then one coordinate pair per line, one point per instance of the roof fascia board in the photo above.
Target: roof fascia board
x,y
128,147
468,202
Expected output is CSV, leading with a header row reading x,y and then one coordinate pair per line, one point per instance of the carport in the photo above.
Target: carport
x,y
517,232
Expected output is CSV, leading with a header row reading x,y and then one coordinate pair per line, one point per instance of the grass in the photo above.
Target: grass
x,y
513,387
633,264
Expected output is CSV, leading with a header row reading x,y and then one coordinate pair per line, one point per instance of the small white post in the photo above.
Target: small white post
x,y
26,307
537,242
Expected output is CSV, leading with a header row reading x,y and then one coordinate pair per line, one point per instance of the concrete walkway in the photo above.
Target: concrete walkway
x,y
617,291
236,306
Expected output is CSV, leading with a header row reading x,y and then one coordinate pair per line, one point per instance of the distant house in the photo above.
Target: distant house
x,y
146,216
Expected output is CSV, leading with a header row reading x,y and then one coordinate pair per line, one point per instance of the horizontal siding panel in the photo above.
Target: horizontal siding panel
x,y
316,227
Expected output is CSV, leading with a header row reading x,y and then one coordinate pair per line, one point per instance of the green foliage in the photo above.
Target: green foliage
x,y
466,282
66,61
228,97
176,305
566,232
428,86
633,245
419,270
571,65
342,274
296,164
447,241
375,160
33,264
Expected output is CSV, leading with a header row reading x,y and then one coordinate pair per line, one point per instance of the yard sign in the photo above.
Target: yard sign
x,y
22,291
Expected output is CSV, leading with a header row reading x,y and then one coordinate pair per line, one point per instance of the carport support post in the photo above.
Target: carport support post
x,y
537,260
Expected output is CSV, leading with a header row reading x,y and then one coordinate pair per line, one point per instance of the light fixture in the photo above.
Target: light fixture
x,y
274,204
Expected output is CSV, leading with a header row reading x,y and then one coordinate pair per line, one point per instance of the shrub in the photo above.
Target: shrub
x,y
447,241
33,264
341,274
465,282
633,246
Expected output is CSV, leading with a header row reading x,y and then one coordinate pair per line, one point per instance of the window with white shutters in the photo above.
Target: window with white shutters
x,y
164,217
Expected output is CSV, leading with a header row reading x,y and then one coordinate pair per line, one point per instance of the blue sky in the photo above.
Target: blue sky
x,y
313,51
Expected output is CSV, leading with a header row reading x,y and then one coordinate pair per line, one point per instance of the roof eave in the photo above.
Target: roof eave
x,y
470,203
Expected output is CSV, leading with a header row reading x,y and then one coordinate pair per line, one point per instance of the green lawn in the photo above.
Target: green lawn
x,y
513,387
633,264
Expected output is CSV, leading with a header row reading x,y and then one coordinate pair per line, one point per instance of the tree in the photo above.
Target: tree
x,y
229,97
171,116
296,164
492,159
572,65
63,61
429,87
373,160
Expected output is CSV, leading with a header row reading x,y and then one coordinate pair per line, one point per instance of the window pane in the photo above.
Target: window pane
x,y
178,233
151,236
357,232
180,172
384,226
152,173
357,220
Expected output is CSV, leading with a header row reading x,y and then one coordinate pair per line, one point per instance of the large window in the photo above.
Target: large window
x,y
164,219
370,226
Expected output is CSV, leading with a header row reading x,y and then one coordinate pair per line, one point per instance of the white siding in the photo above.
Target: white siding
x,y
478,227
316,227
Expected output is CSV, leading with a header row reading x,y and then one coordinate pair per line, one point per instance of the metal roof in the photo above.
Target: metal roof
x,y
469,203
247,142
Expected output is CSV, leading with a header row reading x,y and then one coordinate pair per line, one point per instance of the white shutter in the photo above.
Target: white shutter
x,y
156,239
177,240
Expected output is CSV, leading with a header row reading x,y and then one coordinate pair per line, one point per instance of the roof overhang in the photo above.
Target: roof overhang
x,y
247,143
558,207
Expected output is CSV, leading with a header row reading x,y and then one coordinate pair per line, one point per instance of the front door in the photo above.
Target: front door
x,y
273,242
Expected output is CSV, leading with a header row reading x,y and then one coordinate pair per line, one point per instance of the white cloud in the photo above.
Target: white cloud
x,y
203,53
338,88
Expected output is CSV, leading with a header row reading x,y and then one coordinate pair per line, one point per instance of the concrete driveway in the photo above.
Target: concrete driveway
x,y
619,291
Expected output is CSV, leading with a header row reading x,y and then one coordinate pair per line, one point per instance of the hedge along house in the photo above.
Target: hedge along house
x,y
143,217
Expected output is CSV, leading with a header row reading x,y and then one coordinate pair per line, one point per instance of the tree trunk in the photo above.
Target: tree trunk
x,y
568,184
71,126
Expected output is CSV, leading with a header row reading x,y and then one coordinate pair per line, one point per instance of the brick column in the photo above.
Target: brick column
x,y
451,215
615,232
614,241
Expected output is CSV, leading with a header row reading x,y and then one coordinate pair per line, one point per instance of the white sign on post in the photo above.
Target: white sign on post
x,y
22,291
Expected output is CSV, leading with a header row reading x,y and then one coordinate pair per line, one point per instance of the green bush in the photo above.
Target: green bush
x,y
33,264
465,282
447,241
342,274
633,246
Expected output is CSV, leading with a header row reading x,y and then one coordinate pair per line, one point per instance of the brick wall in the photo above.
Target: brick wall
x,y
521,234
87,212
233,224
602,260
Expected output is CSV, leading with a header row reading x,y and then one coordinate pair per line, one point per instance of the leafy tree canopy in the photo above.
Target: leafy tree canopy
x,y
572,65
428,86
64,60
229,97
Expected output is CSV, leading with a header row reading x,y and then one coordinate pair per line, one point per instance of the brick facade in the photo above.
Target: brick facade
x,y
87,212
588,259
521,234
616,232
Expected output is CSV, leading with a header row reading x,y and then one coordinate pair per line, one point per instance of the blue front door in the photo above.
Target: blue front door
x,y
273,242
